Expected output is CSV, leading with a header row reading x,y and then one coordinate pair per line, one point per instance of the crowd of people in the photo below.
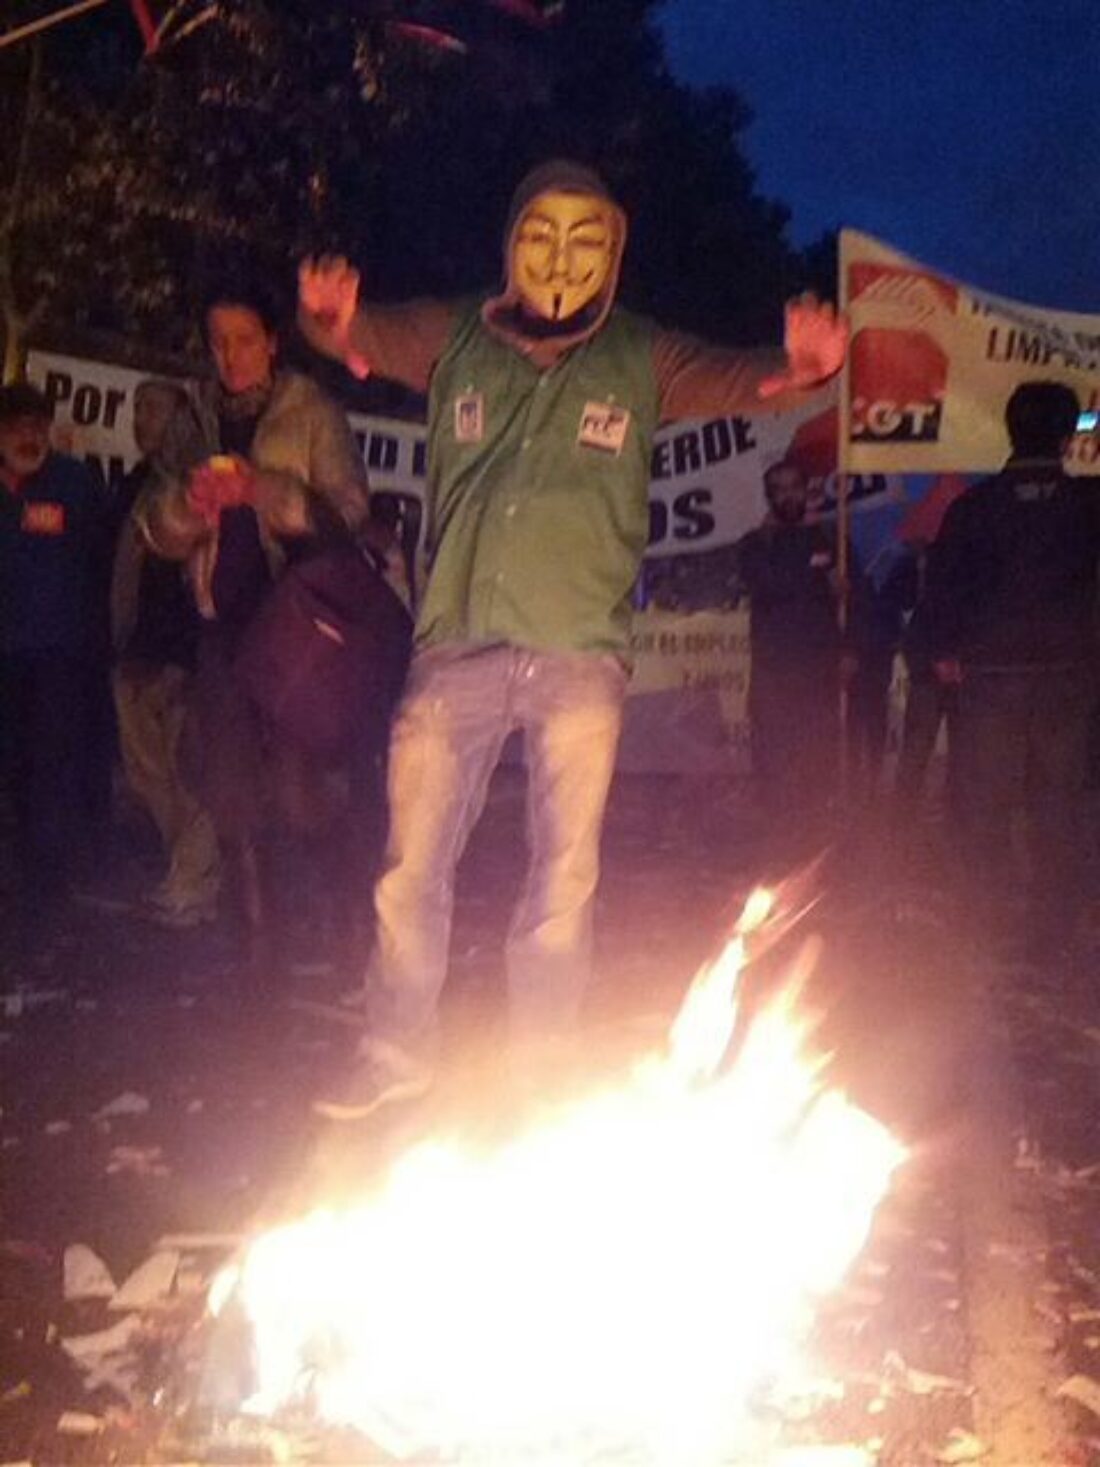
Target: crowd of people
x,y
244,518
990,602
237,588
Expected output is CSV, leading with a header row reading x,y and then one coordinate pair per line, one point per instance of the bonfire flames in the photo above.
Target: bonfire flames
x,y
621,1279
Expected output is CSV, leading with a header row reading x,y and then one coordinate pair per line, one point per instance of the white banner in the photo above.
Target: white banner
x,y
687,710
933,363
706,488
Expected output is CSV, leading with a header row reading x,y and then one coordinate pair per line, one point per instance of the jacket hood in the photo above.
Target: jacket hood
x,y
500,313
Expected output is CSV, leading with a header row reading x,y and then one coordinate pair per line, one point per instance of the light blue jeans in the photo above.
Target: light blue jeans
x,y
459,707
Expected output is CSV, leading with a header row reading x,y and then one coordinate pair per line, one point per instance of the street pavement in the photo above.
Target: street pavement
x,y
152,1086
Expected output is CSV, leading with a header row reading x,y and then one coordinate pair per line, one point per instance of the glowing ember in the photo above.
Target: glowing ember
x,y
621,1278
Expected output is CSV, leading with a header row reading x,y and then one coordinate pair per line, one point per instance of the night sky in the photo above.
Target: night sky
x,y
964,132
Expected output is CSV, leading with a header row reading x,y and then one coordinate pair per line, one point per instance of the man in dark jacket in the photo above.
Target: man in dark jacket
x,y
789,570
54,535
1011,609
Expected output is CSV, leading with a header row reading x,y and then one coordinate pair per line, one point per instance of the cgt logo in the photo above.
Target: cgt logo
x,y
898,381
898,373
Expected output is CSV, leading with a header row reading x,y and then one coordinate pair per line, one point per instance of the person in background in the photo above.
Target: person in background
x,y
155,629
929,702
788,568
54,535
257,468
1012,600
544,398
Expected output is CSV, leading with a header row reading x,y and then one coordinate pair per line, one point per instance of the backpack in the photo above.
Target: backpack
x,y
327,650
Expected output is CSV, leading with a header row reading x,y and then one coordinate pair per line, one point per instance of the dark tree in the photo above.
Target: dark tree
x,y
392,130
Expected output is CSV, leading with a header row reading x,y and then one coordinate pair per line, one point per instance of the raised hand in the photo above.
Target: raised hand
x,y
328,291
816,340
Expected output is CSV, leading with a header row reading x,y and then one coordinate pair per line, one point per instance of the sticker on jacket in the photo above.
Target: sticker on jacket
x,y
469,418
43,517
603,427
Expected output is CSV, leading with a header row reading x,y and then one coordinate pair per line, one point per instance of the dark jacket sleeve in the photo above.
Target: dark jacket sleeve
x,y
952,570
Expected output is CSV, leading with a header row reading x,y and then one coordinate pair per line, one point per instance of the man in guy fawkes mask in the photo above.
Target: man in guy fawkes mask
x,y
543,401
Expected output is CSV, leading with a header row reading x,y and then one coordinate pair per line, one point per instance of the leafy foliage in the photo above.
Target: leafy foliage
x,y
263,129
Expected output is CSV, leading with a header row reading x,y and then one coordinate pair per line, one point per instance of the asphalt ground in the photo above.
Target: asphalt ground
x,y
976,1299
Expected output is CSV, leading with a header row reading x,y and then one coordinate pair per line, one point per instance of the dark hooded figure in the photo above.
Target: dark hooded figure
x,y
1011,624
543,401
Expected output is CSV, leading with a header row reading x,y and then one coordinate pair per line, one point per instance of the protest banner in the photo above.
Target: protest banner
x,y
933,363
688,692
706,487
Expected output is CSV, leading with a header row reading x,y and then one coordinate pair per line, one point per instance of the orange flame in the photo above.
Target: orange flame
x,y
620,1278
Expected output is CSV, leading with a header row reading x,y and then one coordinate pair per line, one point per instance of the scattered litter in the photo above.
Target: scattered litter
x,y
18,1001
142,1161
1082,1389
195,1106
28,1252
79,1423
18,1392
921,1382
318,969
86,1275
129,1103
336,1013
254,1436
862,1296
1019,1255
195,1242
150,1283
90,1351
57,1128
1079,1314
1048,1312
962,1446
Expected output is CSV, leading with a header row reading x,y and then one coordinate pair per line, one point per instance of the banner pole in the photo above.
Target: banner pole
x,y
843,557
44,22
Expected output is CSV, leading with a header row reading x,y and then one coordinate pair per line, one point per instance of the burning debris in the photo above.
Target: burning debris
x,y
632,1275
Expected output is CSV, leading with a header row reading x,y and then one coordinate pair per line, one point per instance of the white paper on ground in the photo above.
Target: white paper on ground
x,y
17,1000
962,1446
1082,1389
196,1242
129,1103
86,1275
79,1423
922,1382
150,1283
88,1351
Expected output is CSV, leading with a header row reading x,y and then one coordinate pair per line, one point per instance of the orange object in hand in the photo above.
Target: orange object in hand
x,y
222,482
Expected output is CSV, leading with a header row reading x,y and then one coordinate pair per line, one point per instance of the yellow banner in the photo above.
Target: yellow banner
x,y
933,363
